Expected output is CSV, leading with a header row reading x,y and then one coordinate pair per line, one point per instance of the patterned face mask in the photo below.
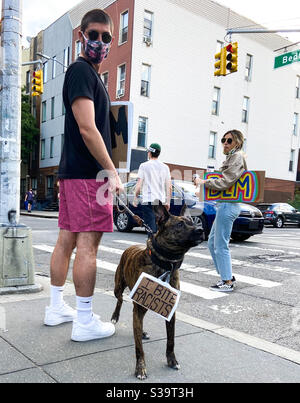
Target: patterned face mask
x,y
96,51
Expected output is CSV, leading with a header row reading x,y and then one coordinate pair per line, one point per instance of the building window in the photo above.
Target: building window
x,y
54,67
216,101
44,111
145,84
121,80
52,107
43,150
142,132
66,58
245,113
45,72
298,87
34,184
296,124
212,145
27,82
105,80
51,147
148,26
249,64
123,28
77,49
50,187
292,161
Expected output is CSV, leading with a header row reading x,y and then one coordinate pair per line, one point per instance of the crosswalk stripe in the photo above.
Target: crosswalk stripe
x,y
189,288
194,269
239,277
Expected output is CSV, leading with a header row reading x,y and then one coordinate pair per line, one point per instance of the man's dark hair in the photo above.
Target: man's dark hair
x,y
156,154
96,15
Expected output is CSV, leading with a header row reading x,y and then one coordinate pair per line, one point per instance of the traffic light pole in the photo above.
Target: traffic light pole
x,y
10,109
16,255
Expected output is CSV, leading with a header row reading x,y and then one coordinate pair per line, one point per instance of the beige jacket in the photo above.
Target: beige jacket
x,y
232,169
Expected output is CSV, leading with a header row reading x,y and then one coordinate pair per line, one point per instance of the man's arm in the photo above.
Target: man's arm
x,y
137,191
168,192
84,113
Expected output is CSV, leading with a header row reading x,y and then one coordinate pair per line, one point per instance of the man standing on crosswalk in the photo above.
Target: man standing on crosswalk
x,y
154,180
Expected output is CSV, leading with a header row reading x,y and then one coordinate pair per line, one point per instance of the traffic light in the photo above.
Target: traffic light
x,y
232,57
220,64
37,83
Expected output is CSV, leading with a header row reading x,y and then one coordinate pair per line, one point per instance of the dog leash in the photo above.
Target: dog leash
x,y
137,218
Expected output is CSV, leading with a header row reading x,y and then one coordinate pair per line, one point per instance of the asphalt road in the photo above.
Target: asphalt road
x,y
265,304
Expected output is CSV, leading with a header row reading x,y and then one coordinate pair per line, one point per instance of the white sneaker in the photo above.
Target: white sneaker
x,y
56,316
93,330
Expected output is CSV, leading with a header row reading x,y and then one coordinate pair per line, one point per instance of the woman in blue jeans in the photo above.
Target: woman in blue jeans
x,y
227,212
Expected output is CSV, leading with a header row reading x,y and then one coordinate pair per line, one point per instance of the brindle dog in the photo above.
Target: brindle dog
x,y
165,252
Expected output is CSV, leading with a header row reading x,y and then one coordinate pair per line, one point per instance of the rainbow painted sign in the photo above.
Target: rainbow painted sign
x,y
248,189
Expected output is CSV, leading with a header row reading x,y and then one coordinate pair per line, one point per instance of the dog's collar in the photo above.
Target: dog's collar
x,y
166,254
163,259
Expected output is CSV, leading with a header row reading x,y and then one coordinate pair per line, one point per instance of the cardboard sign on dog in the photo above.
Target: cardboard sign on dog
x,y
155,295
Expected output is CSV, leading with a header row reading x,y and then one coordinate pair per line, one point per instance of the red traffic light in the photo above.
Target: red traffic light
x,y
229,48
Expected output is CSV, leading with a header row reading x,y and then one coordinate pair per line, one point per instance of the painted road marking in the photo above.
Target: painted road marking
x,y
188,288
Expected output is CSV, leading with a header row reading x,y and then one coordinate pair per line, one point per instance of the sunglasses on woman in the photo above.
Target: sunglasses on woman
x,y
105,36
224,140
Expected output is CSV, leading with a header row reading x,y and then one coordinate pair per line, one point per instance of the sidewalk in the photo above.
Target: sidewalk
x,y
40,213
33,353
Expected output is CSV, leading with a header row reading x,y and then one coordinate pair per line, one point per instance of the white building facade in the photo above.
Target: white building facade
x,y
168,75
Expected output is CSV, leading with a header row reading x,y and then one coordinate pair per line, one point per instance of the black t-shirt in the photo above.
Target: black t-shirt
x,y
81,80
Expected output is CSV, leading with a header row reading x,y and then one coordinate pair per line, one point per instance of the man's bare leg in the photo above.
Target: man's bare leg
x,y
60,258
84,269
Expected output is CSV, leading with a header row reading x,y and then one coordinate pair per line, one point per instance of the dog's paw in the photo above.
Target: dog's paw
x,y
172,363
141,372
142,375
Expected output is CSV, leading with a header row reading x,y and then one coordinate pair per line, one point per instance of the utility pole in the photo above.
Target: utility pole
x,y
16,255
10,109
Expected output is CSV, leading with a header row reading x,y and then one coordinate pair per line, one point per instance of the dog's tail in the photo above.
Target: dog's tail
x,y
120,286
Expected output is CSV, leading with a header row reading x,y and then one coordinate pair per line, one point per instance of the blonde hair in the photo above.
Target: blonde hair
x,y
238,137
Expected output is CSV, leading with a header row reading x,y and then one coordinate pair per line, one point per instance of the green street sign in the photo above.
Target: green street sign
x,y
287,58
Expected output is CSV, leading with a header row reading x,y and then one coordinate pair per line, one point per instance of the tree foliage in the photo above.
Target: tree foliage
x,y
29,129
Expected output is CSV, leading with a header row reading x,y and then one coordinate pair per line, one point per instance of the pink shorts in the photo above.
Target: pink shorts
x,y
85,206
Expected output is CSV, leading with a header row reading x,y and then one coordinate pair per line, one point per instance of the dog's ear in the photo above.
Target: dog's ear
x,y
161,213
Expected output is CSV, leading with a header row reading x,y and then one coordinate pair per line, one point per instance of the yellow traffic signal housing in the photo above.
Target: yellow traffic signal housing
x,y
220,64
37,83
232,57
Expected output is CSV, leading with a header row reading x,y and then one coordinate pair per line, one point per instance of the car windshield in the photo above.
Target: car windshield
x,y
264,207
186,186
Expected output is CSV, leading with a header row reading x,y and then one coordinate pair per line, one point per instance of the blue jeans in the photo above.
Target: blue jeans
x,y
219,237
149,216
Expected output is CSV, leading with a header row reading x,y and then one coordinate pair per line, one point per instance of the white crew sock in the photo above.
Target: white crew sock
x,y
57,296
84,309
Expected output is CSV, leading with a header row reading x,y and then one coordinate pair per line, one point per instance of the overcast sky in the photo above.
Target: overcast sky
x,y
39,14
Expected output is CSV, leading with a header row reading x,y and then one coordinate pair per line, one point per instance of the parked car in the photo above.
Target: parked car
x,y
278,214
249,222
